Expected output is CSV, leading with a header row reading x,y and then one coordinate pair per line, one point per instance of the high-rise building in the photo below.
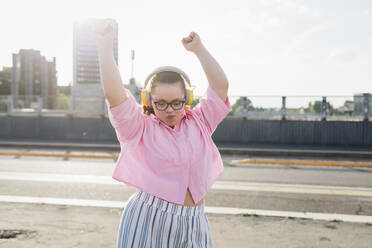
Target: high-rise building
x,y
33,75
87,92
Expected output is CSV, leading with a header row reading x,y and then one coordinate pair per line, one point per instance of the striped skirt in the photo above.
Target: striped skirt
x,y
148,221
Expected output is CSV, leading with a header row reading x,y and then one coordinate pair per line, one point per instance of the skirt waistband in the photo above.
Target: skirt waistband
x,y
169,207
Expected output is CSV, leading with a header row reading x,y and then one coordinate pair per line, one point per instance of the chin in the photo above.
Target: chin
x,y
172,124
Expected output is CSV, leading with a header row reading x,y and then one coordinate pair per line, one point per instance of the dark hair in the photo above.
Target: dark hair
x,y
164,77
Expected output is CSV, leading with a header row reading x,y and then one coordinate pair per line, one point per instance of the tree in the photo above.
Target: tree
x,y
63,101
5,82
238,106
317,107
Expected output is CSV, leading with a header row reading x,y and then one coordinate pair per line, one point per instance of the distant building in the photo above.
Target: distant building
x,y
33,75
134,89
359,103
87,92
5,80
132,86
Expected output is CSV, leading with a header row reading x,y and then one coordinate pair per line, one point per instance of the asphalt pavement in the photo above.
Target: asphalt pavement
x,y
276,188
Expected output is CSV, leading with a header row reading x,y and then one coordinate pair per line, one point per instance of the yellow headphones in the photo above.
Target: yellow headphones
x,y
145,93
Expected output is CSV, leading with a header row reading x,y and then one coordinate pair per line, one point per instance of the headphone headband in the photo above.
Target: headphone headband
x,y
145,95
168,68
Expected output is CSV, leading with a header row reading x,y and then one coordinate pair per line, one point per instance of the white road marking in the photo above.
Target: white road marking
x,y
218,185
208,209
47,177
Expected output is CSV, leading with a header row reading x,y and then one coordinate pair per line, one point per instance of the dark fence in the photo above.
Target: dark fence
x,y
294,132
231,130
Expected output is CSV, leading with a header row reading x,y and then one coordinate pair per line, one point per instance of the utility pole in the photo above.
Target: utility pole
x,y
132,64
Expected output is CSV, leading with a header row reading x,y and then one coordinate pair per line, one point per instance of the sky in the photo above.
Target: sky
x,y
266,47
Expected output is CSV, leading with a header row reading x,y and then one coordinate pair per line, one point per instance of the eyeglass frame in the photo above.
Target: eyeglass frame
x,y
169,104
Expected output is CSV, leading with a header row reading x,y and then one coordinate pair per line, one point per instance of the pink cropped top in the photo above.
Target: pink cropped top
x,y
165,161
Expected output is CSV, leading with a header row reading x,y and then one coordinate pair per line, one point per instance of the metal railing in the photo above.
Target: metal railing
x,y
322,108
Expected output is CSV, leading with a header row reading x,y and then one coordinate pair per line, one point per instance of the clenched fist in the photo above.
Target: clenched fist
x,y
103,33
192,42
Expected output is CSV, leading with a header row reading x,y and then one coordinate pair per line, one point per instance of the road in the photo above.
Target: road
x,y
272,188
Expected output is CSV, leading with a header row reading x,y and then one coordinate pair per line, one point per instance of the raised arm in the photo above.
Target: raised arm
x,y
215,107
110,76
124,112
216,77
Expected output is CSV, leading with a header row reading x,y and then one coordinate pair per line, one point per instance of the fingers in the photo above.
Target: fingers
x,y
186,39
191,41
194,34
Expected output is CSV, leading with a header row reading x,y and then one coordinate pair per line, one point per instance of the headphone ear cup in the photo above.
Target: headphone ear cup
x,y
148,99
191,97
187,98
143,97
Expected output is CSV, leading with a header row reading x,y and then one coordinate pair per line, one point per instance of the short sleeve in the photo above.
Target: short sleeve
x,y
212,110
127,119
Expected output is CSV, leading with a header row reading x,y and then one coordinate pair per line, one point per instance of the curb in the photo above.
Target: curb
x,y
303,162
64,155
236,162
60,145
288,152
295,152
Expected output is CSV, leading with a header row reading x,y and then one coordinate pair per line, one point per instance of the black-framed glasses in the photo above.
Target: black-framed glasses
x,y
163,105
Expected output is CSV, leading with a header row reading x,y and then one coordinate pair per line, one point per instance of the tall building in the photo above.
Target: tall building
x,y
33,75
87,92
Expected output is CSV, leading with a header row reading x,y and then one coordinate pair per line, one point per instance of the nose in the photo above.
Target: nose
x,y
169,109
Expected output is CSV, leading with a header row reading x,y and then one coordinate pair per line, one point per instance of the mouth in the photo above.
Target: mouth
x,y
170,117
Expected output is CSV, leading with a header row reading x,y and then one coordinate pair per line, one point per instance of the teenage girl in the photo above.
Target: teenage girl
x,y
167,153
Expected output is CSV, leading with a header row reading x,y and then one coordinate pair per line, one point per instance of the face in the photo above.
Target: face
x,y
167,93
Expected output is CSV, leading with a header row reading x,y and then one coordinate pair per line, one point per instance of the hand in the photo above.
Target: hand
x,y
103,33
192,43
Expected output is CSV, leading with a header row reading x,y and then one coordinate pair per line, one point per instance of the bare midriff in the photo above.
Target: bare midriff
x,y
189,201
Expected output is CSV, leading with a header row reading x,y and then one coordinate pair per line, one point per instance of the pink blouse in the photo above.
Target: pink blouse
x,y
165,161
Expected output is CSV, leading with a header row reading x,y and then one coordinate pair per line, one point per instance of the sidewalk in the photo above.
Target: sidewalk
x,y
296,150
71,226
